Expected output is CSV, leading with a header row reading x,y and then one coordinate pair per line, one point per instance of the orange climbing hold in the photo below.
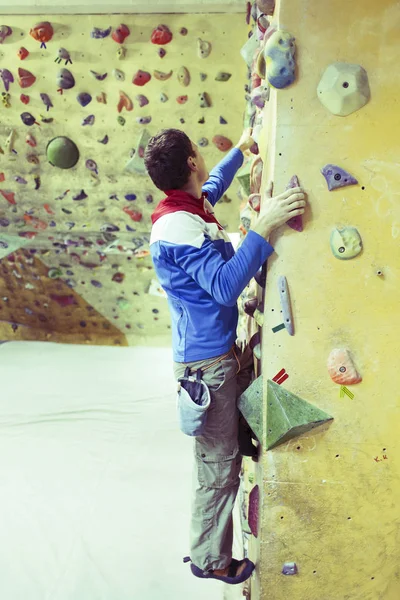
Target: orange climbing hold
x,y
135,215
35,222
48,209
42,32
341,367
25,78
124,102
222,143
182,99
9,196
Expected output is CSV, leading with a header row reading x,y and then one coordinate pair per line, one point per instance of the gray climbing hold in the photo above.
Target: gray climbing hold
x,y
202,142
203,76
336,177
223,121
222,76
205,100
163,97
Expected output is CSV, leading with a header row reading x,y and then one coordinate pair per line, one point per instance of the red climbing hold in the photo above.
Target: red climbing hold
x,y
222,143
141,77
9,196
24,98
25,78
22,53
63,300
161,35
182,99
120,34
124,101
35,222
295,223
135,215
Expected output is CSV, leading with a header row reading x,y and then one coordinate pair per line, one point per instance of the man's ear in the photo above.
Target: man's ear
x,y
191,161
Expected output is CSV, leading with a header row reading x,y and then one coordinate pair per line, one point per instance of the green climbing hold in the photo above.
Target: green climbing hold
x,y
121,120
289,416
62,152
244,178
54,273
250,404
222,76
123,303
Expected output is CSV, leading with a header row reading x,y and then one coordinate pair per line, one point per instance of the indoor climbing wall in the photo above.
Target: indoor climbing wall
x,y
324,499
80,99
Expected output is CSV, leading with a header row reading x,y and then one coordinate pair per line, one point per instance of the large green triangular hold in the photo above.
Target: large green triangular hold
x,y
243,175
289,416
250,404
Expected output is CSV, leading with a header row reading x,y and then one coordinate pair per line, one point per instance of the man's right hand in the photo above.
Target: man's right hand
x,y
277,210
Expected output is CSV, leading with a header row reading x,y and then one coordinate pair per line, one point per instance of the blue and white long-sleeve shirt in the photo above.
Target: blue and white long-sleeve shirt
x,y
199,270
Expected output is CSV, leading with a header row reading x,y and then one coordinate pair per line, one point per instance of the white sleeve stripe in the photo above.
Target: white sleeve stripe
x,y
180,227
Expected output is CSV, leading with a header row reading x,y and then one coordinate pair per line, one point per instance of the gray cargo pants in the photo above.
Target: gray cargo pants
x,y
217,458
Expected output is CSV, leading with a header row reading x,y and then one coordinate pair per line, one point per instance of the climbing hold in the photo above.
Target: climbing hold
x,y
28,119
22,53
99,76
285,304
143,120
120,33
7,78
136,161
255,202
42,32
250,306
222,76
163,97
25,78
260,95
254,501
262,24
5,32
98,34
65,79
62,152
203,76
9,196
345,242
223,121
182,99
184,76
289,416
118,277
24,98
46,120
222,143
33,159
295,223
135,215
253,185
124,102
6,99
80,196
183,31
84,98
19,179
149,198
161,52
142,100
54,273
266,6
161,35
121,120
130,197
276,61
63,54
344,88
201,120
46,101
141,77
92,166
205,100
336,177
121,53
30,140
203,48
101,98
341,367
289,568
162,76
203,142
88,120
182,120
119,75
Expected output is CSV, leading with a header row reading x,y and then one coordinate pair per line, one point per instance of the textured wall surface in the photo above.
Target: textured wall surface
x,y
74,257
330,497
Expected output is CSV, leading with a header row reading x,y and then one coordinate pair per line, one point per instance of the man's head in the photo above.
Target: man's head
x,y
173,161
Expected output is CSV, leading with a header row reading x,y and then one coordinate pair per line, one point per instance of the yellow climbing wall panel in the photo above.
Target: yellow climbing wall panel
x,y
84,273
330,498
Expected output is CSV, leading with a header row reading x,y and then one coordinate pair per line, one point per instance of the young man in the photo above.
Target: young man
x,y
203,278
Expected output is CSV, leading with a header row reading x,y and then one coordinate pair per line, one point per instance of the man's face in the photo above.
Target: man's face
x,y
202,172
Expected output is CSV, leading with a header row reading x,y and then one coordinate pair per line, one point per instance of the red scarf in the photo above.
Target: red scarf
x,y
178,200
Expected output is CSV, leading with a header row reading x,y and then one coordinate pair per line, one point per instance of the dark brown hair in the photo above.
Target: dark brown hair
x,y
166,159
